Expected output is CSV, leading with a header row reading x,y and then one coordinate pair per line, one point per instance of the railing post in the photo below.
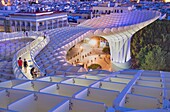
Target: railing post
x,y
17,71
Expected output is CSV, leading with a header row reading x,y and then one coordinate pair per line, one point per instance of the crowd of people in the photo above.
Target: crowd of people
x,y
24,64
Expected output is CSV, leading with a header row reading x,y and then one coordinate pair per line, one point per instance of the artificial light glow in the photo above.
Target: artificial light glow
x,y
3,3
167,0
92,42
6,4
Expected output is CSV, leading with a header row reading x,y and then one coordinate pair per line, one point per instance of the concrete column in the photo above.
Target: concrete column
x,y
30,26
125,49
15,26
37,26
11,26
46,25
128,51
11,23
120,50
26,25
20,23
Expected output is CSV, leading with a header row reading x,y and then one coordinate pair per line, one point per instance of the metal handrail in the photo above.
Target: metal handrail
x,y
36,50
16,70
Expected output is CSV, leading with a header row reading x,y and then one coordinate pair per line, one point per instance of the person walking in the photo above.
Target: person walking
x,y
25,65
33,72
20,63
26,33
44,35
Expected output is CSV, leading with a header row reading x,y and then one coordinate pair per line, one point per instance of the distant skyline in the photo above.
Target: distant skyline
x,y
9,2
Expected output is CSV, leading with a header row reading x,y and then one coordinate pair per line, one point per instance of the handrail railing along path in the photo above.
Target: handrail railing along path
x,y
25,51
34,52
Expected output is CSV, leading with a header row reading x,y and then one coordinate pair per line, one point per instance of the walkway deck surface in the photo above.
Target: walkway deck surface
x,y
27,56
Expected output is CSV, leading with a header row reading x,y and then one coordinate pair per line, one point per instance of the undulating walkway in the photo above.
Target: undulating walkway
x,y
27,56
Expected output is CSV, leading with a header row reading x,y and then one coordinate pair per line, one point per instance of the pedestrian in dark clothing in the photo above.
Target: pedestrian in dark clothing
x,y
26,34
44,35
25,65
33,72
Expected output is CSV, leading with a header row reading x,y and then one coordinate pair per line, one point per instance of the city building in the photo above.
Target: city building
x,y
78,16
5,11
60,82
37,21
12,20
99,11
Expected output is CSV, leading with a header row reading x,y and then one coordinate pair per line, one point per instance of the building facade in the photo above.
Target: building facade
x,y
5,11
99,11
37,21
78,17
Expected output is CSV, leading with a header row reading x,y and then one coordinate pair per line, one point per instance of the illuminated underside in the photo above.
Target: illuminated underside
x,y
6,4
167,0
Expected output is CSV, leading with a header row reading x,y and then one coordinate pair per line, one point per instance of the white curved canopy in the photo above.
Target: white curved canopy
x,y
116,28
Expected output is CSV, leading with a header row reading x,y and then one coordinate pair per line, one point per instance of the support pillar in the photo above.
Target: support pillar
x,y
15,26
119,50
37,24
20,25
30,26
46,25
26,26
